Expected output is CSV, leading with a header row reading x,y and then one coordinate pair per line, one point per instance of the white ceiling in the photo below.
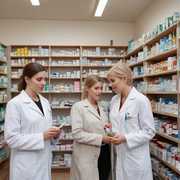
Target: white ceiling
x,y
116,10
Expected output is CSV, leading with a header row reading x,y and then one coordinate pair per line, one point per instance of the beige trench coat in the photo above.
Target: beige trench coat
x,y
87,130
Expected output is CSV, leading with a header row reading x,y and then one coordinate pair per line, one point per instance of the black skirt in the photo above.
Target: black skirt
x,y
104,162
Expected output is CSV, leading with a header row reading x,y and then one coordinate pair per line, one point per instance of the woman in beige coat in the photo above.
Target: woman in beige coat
x,y
88,123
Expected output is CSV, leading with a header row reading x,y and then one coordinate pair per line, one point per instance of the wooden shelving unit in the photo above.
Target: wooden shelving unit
x,y
61,63
4,97
167,164
153,77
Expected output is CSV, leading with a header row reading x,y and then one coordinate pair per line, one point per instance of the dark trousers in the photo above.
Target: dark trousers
x,y
104,162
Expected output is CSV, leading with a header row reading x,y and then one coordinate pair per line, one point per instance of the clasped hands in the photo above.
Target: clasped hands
x,y
115,139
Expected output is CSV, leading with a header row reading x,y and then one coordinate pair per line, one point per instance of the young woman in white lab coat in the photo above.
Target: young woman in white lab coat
x,y
132,121
28,128
88,122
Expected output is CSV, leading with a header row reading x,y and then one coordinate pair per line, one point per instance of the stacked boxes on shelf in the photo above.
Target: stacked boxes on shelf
x,y
167,23
4,95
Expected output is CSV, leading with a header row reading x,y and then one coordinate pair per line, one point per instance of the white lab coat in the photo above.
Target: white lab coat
x,y
24,126
87,131
135,121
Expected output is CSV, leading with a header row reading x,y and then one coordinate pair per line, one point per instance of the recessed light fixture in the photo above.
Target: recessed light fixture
x,y
100,8
35,2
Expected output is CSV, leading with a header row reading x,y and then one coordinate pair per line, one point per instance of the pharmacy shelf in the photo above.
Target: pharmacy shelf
x,y
22,66
160,175
171,138
167,164
29,57
2,60
138,77
3,87
62,151
63,78
103,57
64,66
104,77
54,92
135,51
162,55
152,41
162,34
161,73
66,140
97,66
2,73
156,57
136,64
160,92
61,92
61,108
3,102
64,56
165,114
2,145
3,160
104,46
60,168
15,78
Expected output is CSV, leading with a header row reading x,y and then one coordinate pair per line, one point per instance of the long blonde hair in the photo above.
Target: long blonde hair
x,y
89,82
121,70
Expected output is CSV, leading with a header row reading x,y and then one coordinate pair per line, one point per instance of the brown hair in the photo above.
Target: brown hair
x,y
89,82
29,71
121,70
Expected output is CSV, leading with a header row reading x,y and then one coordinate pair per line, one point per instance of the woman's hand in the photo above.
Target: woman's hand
x,y
118,139
51,133
106,139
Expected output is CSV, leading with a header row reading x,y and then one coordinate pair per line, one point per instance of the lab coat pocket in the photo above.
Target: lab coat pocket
x,y
131,121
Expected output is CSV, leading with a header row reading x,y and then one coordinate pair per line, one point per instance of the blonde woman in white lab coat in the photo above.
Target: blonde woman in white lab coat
x,y
88,122
28,128
132,121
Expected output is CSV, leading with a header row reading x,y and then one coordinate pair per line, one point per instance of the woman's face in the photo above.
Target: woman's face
x,y
95,91
117,84
37,82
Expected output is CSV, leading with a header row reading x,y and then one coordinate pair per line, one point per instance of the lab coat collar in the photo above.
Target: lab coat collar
x,y
92,110
26,99
131,96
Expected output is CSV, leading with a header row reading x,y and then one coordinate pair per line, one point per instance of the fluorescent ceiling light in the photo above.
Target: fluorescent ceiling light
x,y
100,8
35,2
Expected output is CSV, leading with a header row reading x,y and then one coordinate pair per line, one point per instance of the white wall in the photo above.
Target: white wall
x,y
154,14
64,32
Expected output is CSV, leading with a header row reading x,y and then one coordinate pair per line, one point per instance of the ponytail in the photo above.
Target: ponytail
x,y
22,84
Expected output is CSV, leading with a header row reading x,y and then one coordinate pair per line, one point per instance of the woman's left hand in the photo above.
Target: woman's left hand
x,y
118,139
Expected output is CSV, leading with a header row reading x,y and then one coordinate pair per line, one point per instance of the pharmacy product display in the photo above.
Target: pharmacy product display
x,y
167,153
148,37
4,96
67,68
154,60
163,172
